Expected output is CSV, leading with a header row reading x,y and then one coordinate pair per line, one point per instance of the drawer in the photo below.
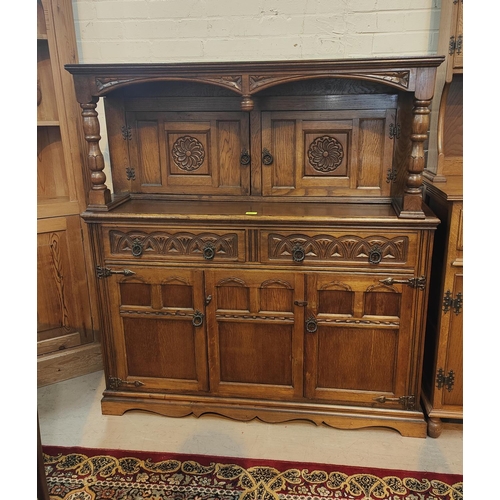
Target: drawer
x,y
347,248
174,244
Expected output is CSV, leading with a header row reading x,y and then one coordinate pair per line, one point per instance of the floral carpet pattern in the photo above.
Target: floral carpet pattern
x,y
93,474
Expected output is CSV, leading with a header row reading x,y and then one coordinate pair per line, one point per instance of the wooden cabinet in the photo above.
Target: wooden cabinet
x,y
266,250
442,389
67,344
442,385
445,156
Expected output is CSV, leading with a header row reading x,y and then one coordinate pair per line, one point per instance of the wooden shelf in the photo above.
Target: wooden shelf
x,y
48,123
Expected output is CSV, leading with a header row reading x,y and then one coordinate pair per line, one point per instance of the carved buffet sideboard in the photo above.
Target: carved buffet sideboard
x,y
266,250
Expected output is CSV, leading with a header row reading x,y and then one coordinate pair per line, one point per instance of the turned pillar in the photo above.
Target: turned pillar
x,y
412,196
99,193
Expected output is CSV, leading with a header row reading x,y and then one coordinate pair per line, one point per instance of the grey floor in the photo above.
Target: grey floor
x,y
70,415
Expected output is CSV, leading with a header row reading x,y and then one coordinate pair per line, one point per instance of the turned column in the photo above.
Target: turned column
x,y
99,193
412,198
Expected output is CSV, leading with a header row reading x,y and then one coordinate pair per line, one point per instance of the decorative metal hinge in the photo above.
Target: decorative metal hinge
x,y
455,45
455,304
419,283
105,272
394,131
452,45
407,402
115,383
130,173
392,174
126,133
445,380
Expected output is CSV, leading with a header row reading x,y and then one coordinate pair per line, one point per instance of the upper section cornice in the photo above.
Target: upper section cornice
x,y
409,74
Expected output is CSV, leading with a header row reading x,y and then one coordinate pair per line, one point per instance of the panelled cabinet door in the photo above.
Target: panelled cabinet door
x,y
255,323
452,354
358,339
191,153
325,153
158,329
63,300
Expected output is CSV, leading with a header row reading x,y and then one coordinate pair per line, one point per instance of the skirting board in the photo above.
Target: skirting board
x,y
69,363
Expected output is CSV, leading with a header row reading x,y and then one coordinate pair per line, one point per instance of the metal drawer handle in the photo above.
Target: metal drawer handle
x,y
298,253
209,251
375,255
137,248
198,319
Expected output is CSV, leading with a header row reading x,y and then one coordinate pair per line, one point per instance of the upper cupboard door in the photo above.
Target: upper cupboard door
x,y
189,153
327,153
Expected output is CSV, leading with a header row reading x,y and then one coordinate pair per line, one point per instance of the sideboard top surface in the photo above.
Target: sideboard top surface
x,y
259,212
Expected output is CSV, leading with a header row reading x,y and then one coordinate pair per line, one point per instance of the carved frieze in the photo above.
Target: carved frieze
x,y
256,81
106,83
331,248
232,82
179,244
399,78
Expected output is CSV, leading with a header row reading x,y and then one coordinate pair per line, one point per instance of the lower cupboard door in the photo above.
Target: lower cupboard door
x,y
359,340
254,343
158,330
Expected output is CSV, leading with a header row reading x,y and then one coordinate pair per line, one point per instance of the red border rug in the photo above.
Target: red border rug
x,y
94,474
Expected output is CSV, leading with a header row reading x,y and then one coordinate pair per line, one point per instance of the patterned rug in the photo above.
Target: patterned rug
x,y
93,474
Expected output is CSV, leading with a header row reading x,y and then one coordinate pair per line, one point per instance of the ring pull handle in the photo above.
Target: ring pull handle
x,y
137,248
197,319
311,325
267,157
209,251
375,255
298,253
245,158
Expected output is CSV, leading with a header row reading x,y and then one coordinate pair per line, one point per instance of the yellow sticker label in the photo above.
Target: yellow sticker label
x,y
250,213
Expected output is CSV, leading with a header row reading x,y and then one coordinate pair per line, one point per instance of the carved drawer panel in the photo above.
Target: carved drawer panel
x,y
175,244
319,248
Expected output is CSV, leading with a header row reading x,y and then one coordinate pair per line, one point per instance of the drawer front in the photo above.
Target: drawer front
x,y
348,248
175,244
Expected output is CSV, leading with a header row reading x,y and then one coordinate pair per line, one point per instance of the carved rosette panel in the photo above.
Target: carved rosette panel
x,y
176,245
343,248
188,153
325,154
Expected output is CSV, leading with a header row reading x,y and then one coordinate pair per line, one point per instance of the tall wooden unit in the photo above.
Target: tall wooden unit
x,y
266,250
445,156
67,343
442,390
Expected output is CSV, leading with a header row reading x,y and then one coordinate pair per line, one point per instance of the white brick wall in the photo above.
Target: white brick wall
x,y
110,31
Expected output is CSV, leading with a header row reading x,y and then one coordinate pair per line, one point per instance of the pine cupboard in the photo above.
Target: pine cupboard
x,y
67,325
266,250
